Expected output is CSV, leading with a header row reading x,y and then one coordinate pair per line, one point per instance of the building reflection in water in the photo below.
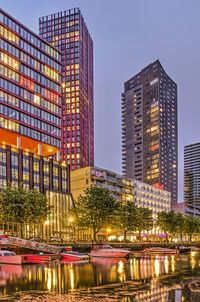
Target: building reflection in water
x,y
64,278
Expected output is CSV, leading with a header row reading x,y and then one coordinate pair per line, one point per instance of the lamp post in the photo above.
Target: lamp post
x,y
46,224
108,231
71,221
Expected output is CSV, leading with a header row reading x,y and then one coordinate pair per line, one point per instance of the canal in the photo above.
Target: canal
x,y
159,279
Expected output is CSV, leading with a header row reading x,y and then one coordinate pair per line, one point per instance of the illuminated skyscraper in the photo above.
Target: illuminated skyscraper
x,y
30,89
149,129
68,32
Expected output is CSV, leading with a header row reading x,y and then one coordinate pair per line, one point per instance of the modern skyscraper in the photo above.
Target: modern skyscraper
x,y
30,89
30,120
149,129
192,179
68,32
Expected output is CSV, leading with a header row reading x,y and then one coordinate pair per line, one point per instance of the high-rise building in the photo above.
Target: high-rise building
x,y
68,32
30,120
149,128
192,179
30,89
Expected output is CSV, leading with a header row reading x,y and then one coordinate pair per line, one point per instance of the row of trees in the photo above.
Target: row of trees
x,y
95,210
98,209
175,223
22,206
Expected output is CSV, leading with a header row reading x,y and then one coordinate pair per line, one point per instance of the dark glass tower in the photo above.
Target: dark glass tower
x,y
192,178
68,32
149,128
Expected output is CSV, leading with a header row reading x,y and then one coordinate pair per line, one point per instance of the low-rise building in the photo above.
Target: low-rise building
x,y
122,188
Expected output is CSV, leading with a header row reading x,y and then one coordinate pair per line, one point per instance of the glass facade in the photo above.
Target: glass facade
x,y
30,87
192,179
68,32
34,171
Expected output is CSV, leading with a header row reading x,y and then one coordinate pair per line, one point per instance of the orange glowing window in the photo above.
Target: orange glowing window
x,y
26,82
50,95
154,147
159,186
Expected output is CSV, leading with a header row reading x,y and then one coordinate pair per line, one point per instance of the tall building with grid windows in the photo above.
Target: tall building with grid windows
x,y
192,179
30,89
149,129
30,119
68,32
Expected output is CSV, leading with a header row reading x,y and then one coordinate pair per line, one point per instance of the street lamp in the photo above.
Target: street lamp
x,y
71,220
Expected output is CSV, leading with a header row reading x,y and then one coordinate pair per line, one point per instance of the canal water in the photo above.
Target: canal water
x,y
159,279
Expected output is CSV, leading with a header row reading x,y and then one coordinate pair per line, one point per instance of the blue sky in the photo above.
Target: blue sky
x,y
127,36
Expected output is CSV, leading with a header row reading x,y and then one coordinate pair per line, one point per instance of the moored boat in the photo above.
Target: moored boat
x,y
74,256
160,251
40,259
105,250
8,257
184,249
195,249
137,254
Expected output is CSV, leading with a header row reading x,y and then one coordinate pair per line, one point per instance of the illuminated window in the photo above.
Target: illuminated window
x,y
26,82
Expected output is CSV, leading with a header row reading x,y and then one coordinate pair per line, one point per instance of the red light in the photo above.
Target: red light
x,y
159,186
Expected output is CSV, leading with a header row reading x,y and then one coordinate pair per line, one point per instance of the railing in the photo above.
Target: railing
x,y
34,245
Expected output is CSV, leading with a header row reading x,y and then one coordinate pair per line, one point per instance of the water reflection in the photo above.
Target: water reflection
x,y
145,279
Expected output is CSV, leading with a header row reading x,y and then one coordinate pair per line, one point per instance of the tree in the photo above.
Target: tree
x,y
191,226
167,223
125,217
143,220
180,227
95,209
21,206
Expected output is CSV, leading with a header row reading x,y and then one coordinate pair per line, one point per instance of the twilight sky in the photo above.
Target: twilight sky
x,y
127,36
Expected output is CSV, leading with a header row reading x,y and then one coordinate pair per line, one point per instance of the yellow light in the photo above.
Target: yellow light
x,y
47,222
108,230
71,219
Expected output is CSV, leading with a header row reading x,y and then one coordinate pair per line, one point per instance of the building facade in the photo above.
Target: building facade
x,y
149,129
192,179
30,89
68,32
30,122
50,177
122,188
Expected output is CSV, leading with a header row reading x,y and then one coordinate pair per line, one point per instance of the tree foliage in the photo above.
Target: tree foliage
x,y
144,220
95,209
126,217
22,206
172,223
166,221
191,226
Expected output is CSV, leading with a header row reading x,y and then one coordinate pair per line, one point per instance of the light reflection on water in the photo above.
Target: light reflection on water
x,y
159,279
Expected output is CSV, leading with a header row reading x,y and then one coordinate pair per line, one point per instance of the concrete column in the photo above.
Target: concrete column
x,y
39,149
18,142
